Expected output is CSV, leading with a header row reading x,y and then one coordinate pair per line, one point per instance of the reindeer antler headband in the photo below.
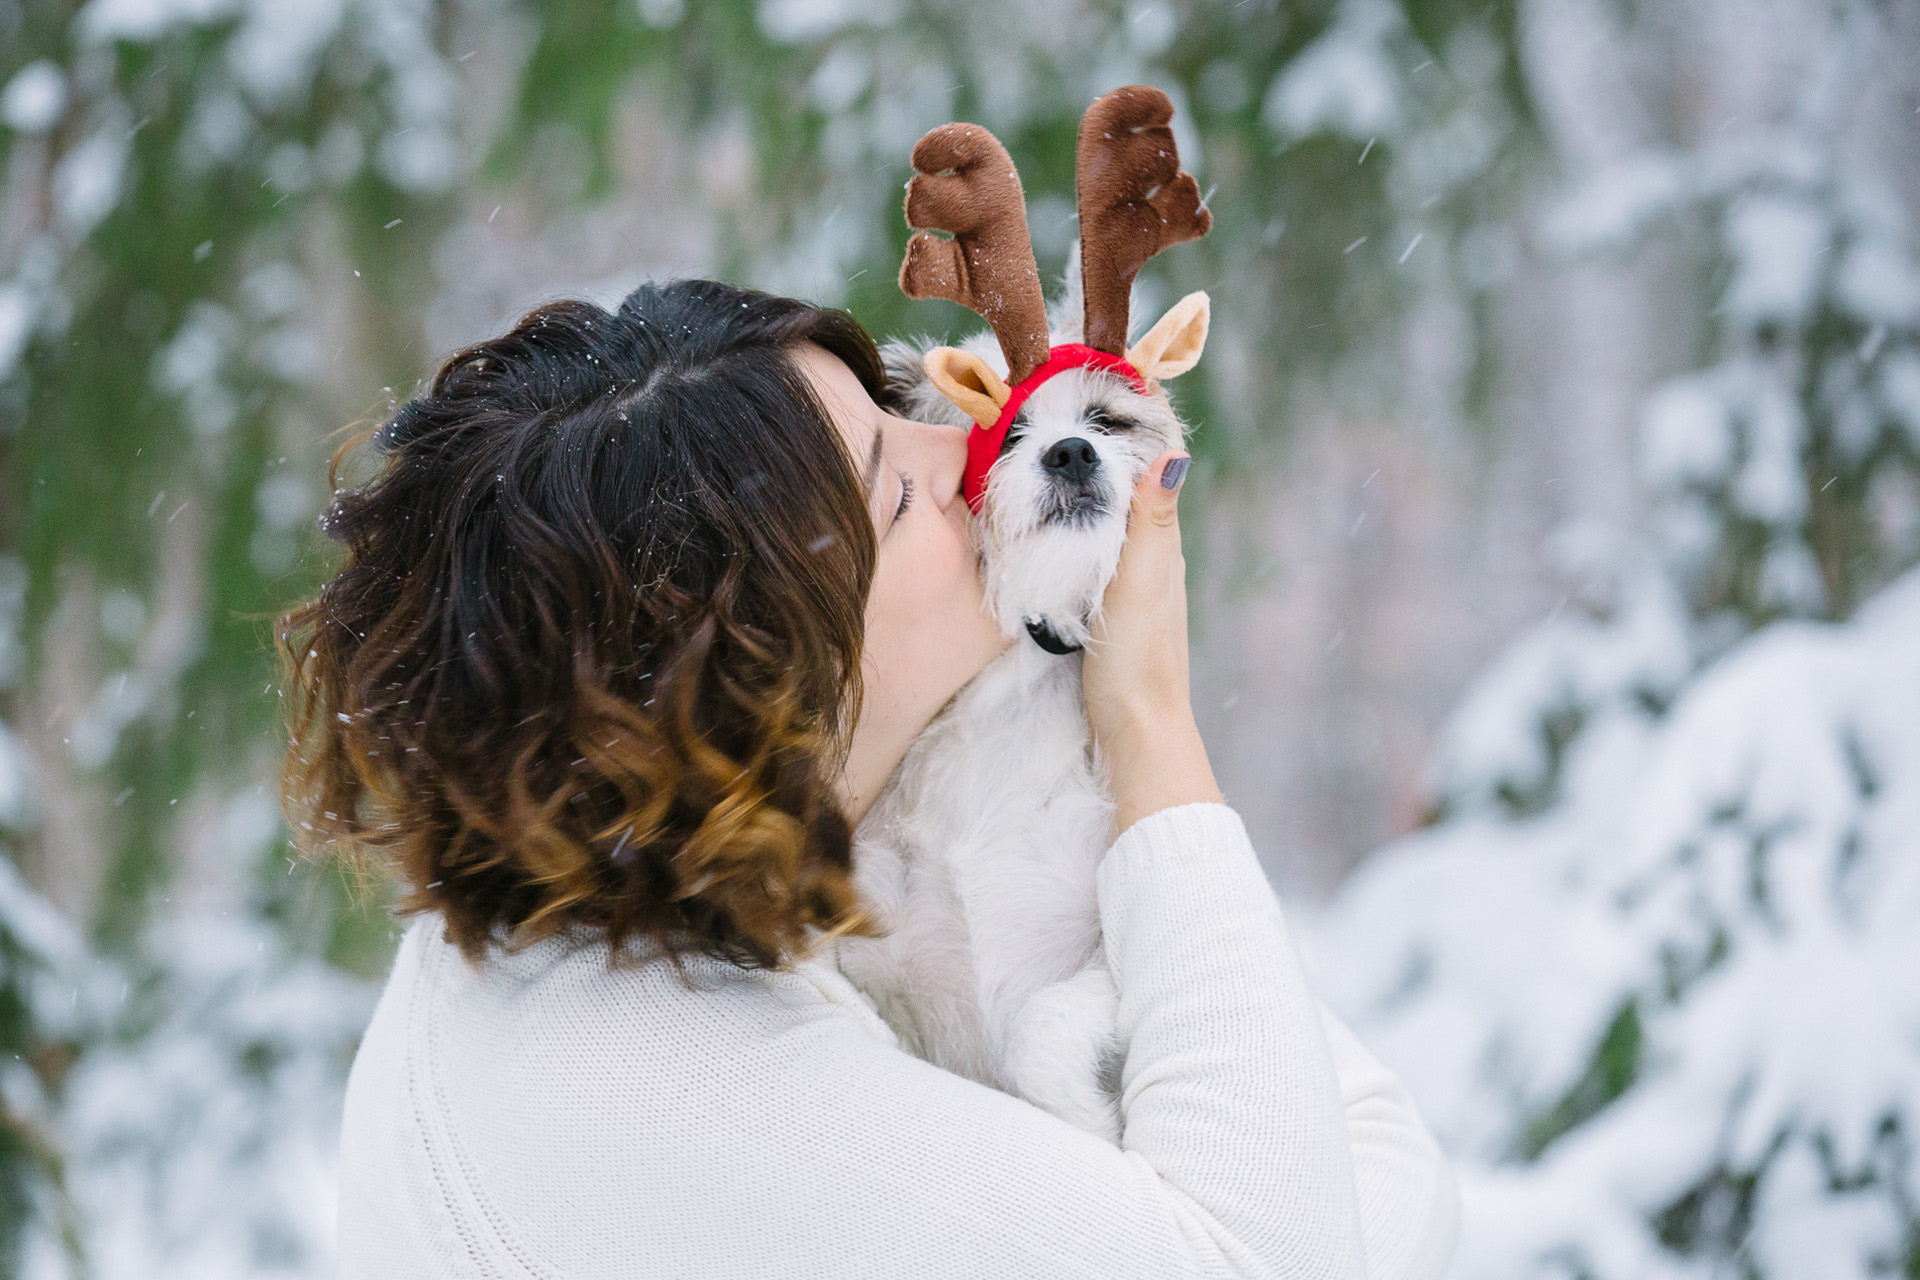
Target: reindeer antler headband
x,y
1134,201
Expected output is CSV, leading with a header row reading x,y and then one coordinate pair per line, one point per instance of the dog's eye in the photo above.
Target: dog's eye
x,y
1102,420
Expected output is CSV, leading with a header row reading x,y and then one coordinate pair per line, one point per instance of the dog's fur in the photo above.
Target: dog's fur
x,y
980,854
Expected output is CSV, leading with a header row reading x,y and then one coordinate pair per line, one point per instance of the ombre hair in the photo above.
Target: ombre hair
x,y
594,652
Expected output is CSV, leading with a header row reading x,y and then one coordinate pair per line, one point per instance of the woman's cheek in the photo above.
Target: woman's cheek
x,y
959,575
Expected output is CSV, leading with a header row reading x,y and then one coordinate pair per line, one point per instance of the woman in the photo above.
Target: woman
x,y
637,616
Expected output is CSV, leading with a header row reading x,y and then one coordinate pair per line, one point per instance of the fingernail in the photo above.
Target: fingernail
x,y
1174,472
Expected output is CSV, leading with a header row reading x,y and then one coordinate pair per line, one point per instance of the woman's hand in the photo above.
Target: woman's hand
x,y
1135,673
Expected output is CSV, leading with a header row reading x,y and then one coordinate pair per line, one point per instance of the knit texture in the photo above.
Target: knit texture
x,y
547,1114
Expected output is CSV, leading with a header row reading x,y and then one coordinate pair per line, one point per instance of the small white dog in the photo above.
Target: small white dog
x,y
979,857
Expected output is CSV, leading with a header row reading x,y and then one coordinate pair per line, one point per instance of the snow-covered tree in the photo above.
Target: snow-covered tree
x,y
1653,971
186,186
224,222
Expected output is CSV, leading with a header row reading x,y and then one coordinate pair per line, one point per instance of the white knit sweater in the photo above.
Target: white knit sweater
x,y
547,1115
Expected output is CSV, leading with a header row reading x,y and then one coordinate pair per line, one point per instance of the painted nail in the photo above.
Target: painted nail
x,y
1174,472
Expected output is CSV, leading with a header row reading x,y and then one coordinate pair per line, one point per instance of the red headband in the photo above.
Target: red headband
x,y
984,442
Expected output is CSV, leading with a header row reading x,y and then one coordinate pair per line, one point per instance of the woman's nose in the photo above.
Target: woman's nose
x,y
943,452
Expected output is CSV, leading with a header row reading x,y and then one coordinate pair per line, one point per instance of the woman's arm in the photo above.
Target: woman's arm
x,y
1229,1087
1235,1157
1409,1200
1135,671
1141,711
1260,1138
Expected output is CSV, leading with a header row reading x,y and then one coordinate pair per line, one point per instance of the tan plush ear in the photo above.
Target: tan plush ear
x,y
1173,345
969,382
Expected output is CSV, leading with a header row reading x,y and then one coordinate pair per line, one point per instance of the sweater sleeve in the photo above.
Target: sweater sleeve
x,y
1231,1061
1260,1138
1409,1200
1228,1088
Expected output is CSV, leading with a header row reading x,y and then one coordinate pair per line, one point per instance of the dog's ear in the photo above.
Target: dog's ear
x,y
1173,345
969,382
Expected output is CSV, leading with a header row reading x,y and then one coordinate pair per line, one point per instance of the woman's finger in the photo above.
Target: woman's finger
x,y
1152,551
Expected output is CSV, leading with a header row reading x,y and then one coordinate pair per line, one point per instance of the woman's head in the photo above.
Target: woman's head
x,y
594,652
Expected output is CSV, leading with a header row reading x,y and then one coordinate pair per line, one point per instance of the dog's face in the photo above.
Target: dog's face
x,y
1055,513
1054,516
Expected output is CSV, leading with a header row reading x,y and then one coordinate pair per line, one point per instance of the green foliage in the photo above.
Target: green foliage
x,y
1286,210
1610,1072
157,402
108,457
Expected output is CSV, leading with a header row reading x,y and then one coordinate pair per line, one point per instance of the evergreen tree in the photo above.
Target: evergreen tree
x,y
1656,953
193,194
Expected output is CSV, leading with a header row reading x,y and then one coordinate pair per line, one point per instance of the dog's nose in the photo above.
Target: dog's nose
x,y
1072,459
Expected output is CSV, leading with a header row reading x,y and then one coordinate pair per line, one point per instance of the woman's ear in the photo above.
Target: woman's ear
x,y
969,382
1173,345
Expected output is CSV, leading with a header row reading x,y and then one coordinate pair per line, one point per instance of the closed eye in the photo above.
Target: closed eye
x,y
906,497
1101,419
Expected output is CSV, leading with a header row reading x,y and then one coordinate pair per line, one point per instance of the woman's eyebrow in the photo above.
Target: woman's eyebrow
x,y
873,462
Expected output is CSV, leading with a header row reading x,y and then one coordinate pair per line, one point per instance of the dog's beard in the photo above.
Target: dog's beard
x,y
1050,541
1049,556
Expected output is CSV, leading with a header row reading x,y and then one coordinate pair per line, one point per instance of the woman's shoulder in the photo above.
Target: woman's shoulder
x,y
514,1084
567,1002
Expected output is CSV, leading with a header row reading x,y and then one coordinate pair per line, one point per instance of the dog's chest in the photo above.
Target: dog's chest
x,y
981,856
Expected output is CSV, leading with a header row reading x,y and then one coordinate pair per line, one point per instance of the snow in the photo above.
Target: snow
x,y
1626,641
196,350
1616,205
1722,855
1770,486
1797,1221
13,596
285,500
662,13
1878,280
841,77
273,289
1745,871
14,764
274,53
1776,243
207,1149
95,732
1150,28
1790,577
1344,82
16,805
218,130
423,159
339,153
86,181
1686,435
795,21
147,20
1853,420
47,958
34,98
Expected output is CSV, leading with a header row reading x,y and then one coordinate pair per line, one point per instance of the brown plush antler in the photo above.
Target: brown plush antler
x,y
964,184
1134,202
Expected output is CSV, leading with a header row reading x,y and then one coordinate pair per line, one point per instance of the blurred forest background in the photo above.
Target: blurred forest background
x,y
1558,489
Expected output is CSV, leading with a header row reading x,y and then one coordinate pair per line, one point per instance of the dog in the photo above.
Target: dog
x,y
980,854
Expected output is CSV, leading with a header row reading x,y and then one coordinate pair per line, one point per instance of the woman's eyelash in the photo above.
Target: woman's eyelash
x,y
906,496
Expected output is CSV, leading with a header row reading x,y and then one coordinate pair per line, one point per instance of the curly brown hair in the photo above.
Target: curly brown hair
x,y
594,651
